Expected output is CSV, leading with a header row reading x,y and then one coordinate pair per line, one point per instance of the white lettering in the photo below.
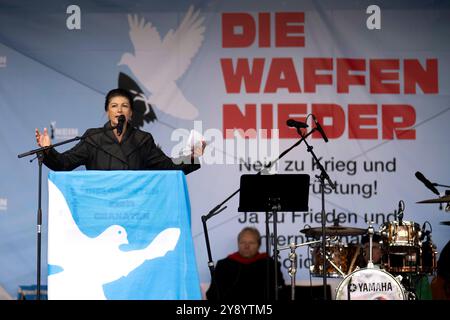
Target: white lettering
x,y
374,20
73,22
193,310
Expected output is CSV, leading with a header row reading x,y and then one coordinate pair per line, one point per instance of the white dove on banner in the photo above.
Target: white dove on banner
x,y
86,263
157,64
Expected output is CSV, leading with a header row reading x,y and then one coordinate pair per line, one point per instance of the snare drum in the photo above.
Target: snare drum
x,y
370,284
406,233
342,255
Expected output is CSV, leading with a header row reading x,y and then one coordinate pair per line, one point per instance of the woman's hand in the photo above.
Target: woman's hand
x,y
197,150
43,140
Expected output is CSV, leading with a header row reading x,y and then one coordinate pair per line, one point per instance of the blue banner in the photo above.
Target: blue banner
x,y
120,235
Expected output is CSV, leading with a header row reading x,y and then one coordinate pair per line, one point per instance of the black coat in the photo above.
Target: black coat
x,y
100,150
236,281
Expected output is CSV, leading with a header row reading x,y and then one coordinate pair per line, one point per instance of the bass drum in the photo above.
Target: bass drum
x,y
370,284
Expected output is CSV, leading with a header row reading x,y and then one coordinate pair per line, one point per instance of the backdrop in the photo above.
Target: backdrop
x,y
375,77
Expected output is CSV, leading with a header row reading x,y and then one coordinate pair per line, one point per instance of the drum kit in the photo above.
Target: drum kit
x,y
407,252
341,258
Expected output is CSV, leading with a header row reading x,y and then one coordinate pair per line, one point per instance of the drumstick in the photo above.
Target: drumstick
x,y
353,260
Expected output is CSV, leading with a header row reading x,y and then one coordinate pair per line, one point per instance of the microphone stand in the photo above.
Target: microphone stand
x,y
440,185
39,152
322,177
217,209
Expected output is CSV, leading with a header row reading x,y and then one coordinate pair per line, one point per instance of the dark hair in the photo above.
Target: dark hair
x,y
251,230
118,93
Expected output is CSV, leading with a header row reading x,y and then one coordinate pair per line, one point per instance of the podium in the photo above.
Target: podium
x,y
120,235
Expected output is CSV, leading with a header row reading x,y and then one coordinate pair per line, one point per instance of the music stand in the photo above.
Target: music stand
x,y
274,193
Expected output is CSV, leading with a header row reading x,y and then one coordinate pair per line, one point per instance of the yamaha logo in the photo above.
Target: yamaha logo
x,y
375,286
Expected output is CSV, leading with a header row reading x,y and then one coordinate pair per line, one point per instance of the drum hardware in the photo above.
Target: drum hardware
x,y
407,247
443,199
428,262
335,230
401,211
349,288
345,255
292,270
447,193
432,187
370,232
411,295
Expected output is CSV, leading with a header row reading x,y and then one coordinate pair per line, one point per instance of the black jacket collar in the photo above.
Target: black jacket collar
x,y
133,138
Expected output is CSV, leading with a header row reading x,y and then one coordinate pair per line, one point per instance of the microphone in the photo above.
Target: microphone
x,y
319,128
296,124
120,124
400,213
427,183
424,233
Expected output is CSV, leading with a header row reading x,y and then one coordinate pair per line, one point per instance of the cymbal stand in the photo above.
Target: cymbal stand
x,y
370,232
292,269
293,262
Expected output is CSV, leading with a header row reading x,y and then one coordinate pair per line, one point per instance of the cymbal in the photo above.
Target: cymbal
x,y
443,199
446,223
333,231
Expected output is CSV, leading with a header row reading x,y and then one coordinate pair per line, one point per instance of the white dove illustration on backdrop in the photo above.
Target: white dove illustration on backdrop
x,y
89,263
157,64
